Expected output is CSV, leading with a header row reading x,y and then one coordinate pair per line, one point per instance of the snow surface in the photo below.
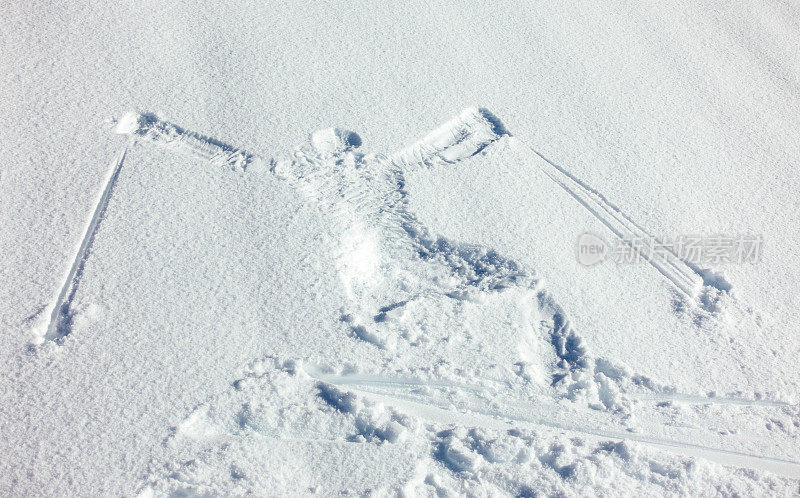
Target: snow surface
x,y
205,296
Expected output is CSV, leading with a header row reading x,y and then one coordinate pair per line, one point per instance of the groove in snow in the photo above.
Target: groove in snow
x,y
60,316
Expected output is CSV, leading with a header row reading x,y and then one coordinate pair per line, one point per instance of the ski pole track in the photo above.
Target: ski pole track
x,y
686,283
149,128
685,275
475,129
58,325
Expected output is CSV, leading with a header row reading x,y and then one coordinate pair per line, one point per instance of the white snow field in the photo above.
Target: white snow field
x,y
204,296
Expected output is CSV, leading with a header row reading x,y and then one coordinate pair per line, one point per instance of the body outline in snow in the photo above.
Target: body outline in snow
x,y
331,171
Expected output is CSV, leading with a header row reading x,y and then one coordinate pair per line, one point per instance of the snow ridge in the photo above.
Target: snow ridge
x,y
465,135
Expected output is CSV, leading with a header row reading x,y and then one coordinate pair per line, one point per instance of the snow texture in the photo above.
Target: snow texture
x,y
202,298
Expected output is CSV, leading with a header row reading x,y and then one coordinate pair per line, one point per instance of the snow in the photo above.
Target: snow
x,y
205,296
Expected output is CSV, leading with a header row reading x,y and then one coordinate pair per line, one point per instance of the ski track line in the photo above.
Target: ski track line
x,y
701,400
487,418
411,383
59,324
149,127
400,383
